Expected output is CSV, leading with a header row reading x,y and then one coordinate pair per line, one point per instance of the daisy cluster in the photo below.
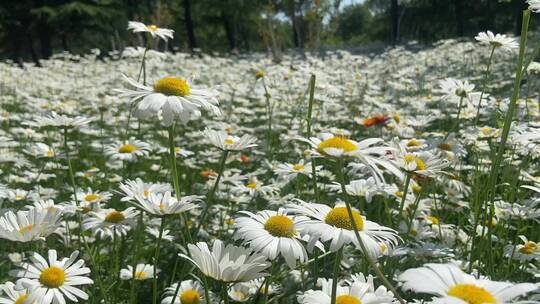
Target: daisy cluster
x,y
145,176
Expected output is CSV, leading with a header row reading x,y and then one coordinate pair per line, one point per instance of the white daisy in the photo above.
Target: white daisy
x,y
451,285
324,223
370,152
139,27
272,234
60,121
142,272
138,188
164,203
128,150
356,291
50,281
107,222
226,142
11,295
227,263
501,41
527,251
189,292
290,171
26,226
172,98
366,188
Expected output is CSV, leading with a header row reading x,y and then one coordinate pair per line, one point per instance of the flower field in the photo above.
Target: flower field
x,y
409,175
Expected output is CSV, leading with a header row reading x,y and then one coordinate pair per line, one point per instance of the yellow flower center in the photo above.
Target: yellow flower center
x,y
337,142
172,86
190,297
115,217
280,226
298,167
339,217
49,153
420,164
146,193
445,146
259,74
346,299
471,294
140,275
528,248
239,295
252,185
152,28
91,197
434,220
19,197
413,143
21,299
52,277
416,189
229,141
26,229
127,148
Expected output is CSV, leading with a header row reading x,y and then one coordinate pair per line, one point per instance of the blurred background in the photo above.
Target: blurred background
x,y
32,30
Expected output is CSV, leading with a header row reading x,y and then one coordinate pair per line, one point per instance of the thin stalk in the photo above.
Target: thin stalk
x,y
269,120
137,244
212,192
484,84
337,263
224,295
368,257
507,124
308,134
156,258
404,193
206,291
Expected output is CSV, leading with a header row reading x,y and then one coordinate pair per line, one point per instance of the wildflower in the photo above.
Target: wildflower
x,y
227,263
153,30
501,41
225,142
50,280
142,272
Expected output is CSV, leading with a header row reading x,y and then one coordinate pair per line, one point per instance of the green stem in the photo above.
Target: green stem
x,y
156,258
506,128
335,276
269,120
368,257
484,84
404,193
308,134
212,192
224,295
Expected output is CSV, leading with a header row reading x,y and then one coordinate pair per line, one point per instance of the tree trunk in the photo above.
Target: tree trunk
x,y
32,50
228,31
394,15
460,26
189,25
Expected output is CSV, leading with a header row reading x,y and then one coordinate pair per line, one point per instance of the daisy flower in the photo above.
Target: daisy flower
x,y
501,41
108,222
139,27
272,234
41,150
50,281
227,263
172,98
60,121
12,295
534,5
226,142
30,225
189,292
164,203
92,197
527,251
356,291
290,171
142,272
422,163
137,188
368,152
455,89
321,222
128,150
366,188
449,284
